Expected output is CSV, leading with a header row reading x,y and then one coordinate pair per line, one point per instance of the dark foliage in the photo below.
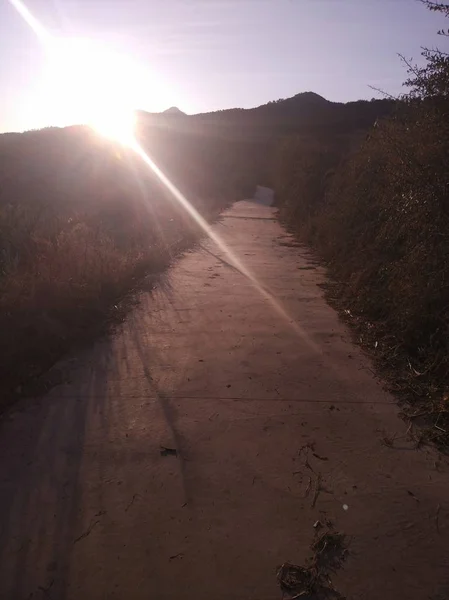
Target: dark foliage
x,y
81,218
380,215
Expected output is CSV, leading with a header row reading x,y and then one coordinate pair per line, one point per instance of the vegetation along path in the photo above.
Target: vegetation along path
x,y
215,436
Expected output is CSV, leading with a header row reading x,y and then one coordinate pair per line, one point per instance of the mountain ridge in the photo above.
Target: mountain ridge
x,y
305,113
301,99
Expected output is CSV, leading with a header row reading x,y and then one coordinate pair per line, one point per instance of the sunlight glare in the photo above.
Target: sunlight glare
x,y
29,18
85,83
88,81
234,260
94,86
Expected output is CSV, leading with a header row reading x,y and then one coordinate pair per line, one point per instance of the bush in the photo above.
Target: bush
x,y
380,216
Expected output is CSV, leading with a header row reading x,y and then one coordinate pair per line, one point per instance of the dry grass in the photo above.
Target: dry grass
x,y
313,582
73,244
379,218
63,298
422,394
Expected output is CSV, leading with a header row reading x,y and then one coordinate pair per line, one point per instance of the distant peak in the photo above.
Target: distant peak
x,y
310,96
173,110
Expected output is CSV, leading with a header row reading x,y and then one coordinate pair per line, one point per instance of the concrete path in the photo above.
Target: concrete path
x,y
93,507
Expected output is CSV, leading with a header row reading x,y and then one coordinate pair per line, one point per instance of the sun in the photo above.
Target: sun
x,y
86,83
118,125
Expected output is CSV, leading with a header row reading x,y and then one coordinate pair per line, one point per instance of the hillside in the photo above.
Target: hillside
x,y
306,113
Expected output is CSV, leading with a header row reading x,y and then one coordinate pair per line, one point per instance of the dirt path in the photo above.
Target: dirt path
x,y
91,509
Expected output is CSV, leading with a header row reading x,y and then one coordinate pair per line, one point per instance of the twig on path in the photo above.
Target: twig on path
x,y
409,430
306,459
437,516
132,502
308,488
413,496
309,466
319,457
317,489
87,532
175,556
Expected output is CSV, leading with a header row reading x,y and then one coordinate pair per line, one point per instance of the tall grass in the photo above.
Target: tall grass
x,y
81,219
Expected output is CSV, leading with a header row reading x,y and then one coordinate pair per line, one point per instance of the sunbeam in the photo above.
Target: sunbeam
x,y
232,257
128,137
31,20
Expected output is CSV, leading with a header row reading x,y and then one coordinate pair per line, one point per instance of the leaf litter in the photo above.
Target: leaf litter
x,y
313,581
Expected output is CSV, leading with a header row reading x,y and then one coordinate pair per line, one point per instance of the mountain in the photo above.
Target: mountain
x,y
305,113
174,111
301,100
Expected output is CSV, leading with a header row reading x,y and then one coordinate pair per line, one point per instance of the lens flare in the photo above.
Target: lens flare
x,y
92,85
30,20
231,256
87,83
113,120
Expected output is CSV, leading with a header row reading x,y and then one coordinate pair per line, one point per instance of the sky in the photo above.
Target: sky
x,y
205,55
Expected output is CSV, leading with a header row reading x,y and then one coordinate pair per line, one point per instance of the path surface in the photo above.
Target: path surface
x,y
90,509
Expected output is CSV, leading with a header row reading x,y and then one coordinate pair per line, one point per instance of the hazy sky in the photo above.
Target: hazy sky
x,y
203,55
